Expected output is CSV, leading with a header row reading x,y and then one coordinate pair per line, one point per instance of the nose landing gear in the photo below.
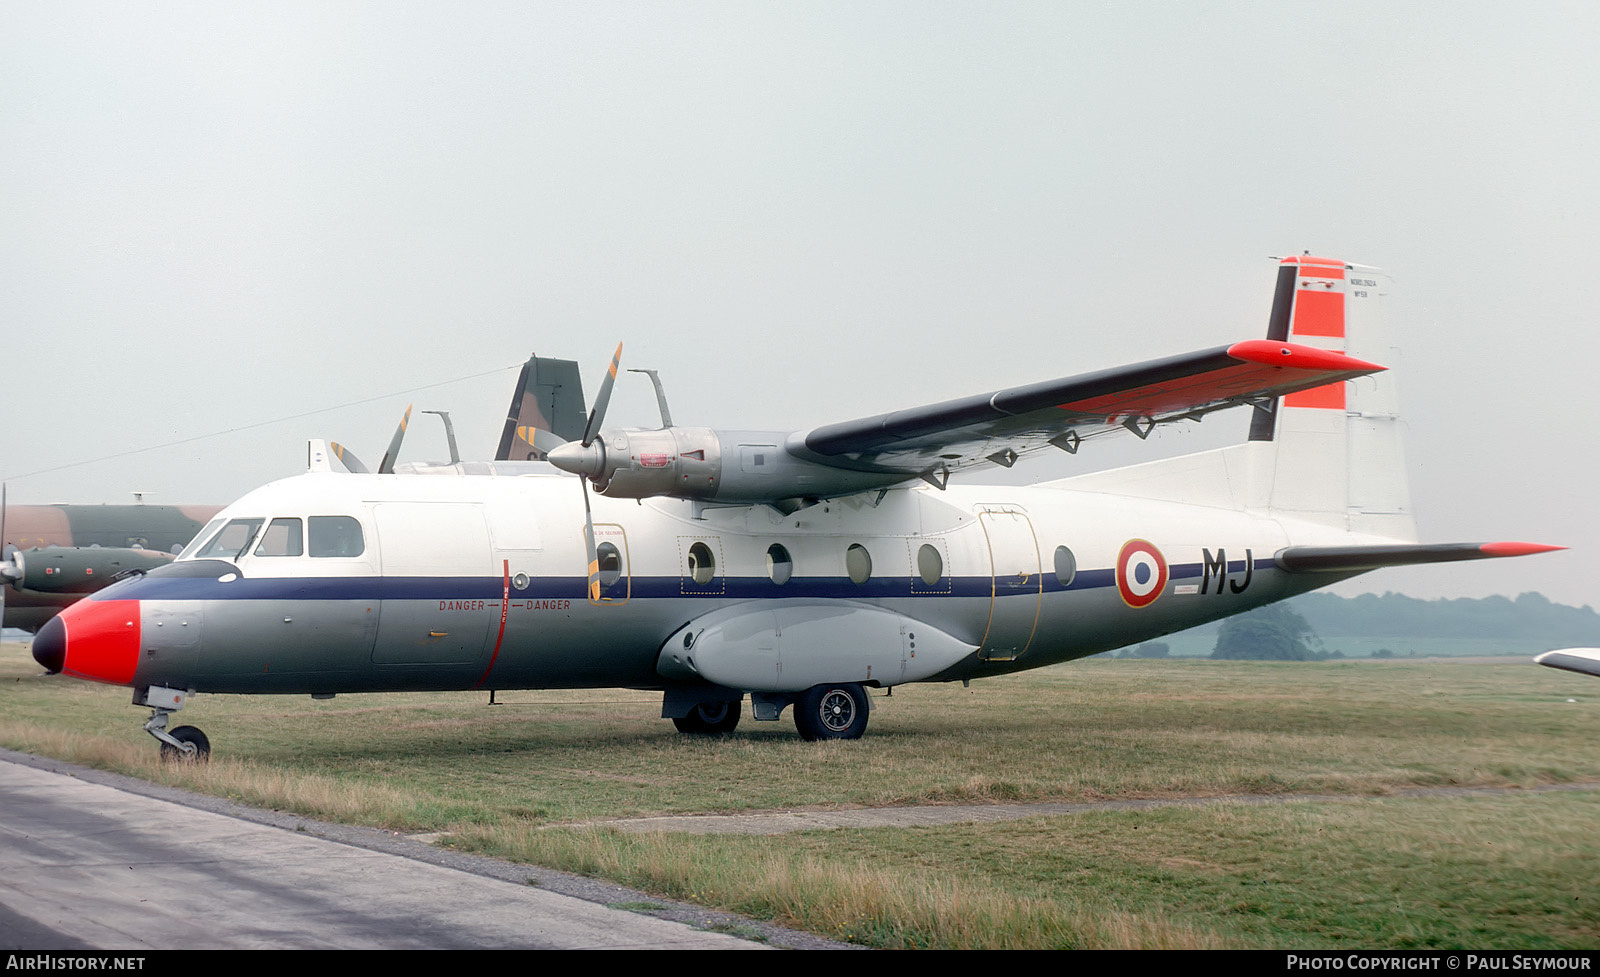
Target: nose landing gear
x,y
185,744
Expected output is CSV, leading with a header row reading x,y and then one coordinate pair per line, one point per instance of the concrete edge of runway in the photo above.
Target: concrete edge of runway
x,y
394,843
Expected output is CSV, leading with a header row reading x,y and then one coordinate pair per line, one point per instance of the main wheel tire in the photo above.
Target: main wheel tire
x,y
832,712
711,718
187,734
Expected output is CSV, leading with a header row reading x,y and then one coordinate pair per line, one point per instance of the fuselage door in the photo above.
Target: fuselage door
x,y
442,593
1017,588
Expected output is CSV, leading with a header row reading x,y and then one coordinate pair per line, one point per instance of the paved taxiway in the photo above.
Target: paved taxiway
x,y
85,865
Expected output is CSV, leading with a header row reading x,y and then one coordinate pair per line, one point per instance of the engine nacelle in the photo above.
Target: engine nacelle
x,y
703,464
78,569
684,462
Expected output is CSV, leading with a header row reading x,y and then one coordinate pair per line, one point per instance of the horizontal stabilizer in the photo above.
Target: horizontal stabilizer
x,y
1585,660
1348,559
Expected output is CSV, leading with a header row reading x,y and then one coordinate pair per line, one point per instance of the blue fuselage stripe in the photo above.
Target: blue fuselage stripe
x,y
491,588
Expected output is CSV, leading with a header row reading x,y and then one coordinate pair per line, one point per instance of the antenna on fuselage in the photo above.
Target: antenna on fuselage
x,y
661,397
449,433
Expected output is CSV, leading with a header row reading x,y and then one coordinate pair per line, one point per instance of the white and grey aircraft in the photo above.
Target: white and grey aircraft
x,y
793,569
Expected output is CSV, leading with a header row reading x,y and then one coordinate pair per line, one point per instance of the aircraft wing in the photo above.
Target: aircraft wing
x,y
997,427
1584,660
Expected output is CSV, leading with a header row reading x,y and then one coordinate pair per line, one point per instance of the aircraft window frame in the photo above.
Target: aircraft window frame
x,y
215,548
858,563
1066,566
780,565
318,545
702,564
930,565
294,540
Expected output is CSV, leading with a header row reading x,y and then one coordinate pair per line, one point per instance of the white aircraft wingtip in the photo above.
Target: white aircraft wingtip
x,y
1585,660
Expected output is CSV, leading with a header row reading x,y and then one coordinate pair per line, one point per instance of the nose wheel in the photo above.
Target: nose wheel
x,y
199,748
185,744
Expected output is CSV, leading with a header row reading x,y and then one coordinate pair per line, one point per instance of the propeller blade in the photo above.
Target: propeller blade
x,y
543,441
386,467
590,432
597,416
588,537
348,458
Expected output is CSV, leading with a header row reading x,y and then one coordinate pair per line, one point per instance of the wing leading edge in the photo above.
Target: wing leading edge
x,y
1361,558
997,427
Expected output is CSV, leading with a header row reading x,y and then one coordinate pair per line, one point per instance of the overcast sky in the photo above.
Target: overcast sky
x,y
218,215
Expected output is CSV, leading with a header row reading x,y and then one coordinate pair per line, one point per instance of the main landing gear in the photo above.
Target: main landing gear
x,y
832,711
185,744
710,719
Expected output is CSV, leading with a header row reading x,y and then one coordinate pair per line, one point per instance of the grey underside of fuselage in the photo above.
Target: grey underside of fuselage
x,y
298,647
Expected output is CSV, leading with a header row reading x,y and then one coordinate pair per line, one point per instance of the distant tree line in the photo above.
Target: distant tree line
x,y
1530,616
1293,630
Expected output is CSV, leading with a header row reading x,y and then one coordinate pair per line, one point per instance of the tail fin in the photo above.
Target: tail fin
x,y
1338,456
1330,456
548,397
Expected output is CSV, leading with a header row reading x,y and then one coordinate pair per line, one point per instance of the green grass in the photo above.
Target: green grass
x,y
1379,871
1502,872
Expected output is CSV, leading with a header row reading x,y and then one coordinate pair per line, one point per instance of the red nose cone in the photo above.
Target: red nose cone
x,y
101,640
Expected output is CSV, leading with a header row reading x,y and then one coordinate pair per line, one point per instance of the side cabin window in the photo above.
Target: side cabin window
x,y
858,563
702,565
336,536
701,574
283,537
780,565
609,559
930,565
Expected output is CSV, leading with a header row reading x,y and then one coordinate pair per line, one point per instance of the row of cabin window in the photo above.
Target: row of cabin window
x,y
857,564
340,536
329,536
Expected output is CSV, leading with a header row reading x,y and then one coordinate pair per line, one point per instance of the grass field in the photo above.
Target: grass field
x,y
1479,871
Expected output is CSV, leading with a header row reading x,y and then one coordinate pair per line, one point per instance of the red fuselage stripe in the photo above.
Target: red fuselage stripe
x,y
505,605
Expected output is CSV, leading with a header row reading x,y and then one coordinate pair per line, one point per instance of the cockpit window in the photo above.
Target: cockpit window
x,y
336,536
231,542
282,538
201,537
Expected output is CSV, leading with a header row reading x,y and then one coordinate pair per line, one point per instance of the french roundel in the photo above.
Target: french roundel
x,y
1141,573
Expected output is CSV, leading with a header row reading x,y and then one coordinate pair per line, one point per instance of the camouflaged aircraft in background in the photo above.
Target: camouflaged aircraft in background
x,y
52,555
56,554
